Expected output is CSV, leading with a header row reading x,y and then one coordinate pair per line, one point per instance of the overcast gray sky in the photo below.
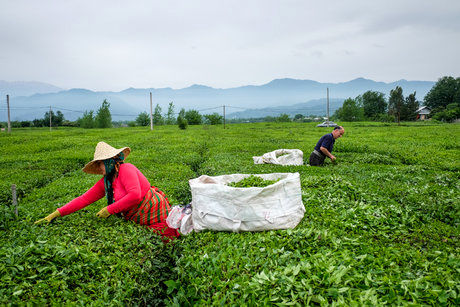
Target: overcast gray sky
x,y
113,45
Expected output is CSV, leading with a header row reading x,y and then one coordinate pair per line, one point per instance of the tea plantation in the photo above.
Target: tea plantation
x,y
381,225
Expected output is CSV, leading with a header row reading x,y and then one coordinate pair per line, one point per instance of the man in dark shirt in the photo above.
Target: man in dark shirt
x,y
324,147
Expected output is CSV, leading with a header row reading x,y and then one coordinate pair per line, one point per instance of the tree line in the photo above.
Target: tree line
x,y
443,100
373,106
102,118
183,119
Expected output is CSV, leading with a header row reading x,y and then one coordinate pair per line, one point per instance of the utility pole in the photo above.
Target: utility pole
x,y
224,115
328,107
151,118
50,118
8,106
327,123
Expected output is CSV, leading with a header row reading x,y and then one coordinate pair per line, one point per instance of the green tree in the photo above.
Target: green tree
x,y
443,93
395,103
449,114
38,122
56,119
103,117
350,111
283,118
193,117
143,119
87,120
46,119
298,117
409,108
373,104
16,124
214,119
170,120
181,121
157,117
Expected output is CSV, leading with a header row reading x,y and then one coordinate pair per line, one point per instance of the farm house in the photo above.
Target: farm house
x,y
423,112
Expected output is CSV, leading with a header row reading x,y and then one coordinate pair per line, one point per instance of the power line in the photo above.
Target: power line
x,y
79,111
235,107
24,108
59,108
209,109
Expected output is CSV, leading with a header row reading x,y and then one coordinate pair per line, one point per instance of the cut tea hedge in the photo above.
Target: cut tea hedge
x,y
381,225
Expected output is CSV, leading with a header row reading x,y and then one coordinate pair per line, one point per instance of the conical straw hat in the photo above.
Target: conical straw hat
x,y
103,151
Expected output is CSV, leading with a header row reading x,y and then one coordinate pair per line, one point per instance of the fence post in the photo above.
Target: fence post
x,y
15,201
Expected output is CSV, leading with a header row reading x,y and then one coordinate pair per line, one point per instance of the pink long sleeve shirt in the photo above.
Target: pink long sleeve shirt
x,y
128,190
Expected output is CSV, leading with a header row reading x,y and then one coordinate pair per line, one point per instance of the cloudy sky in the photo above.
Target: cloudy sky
x,y
113,45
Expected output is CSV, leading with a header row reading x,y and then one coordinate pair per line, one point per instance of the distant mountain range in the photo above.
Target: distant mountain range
x,y
312,107
29,100
21,88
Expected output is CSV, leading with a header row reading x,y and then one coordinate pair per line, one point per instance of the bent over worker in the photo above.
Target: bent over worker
x,y
325,146
128,192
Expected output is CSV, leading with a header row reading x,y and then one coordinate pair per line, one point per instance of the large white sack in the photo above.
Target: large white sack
x,y
217,206
281,157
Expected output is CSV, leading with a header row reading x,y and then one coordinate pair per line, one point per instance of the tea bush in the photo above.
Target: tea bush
x,y
381,225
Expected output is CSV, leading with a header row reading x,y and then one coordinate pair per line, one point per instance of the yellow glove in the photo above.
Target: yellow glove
x,y
49,218
104,213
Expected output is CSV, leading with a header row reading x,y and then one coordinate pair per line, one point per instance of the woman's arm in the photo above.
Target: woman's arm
x,y
129,179
95,193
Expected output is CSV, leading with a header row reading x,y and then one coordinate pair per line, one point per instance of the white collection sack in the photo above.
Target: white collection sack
x,y
282,157
220,207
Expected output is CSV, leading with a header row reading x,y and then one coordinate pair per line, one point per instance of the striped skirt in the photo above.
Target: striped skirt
x,y
152,212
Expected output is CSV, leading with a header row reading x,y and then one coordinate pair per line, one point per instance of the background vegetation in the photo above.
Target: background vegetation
x,y
443,100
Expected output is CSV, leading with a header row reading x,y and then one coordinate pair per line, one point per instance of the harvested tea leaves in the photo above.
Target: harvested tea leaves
x,y
252,181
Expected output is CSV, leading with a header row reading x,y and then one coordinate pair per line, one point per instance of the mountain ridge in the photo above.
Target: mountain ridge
x,y
26,88
276,94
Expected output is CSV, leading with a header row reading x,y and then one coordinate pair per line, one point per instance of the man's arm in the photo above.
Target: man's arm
x,y
327,153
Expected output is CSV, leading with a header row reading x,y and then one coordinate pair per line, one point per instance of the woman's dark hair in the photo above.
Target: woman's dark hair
x,y
112,166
